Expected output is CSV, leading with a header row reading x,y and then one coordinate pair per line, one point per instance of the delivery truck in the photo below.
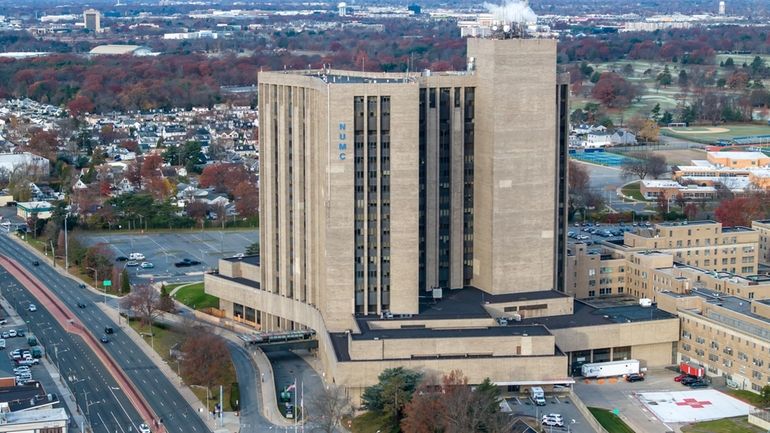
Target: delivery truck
x,y
691,369
610,369
537,395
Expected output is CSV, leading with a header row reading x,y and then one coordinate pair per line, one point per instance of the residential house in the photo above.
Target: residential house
x,y
623,137
595,140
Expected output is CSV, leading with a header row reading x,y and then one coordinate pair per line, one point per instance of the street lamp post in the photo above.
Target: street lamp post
x,y
66,245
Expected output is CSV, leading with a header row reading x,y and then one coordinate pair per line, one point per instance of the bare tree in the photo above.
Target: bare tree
x,y
327,409
642,164
144,301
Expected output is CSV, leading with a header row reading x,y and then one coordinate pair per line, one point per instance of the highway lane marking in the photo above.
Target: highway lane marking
x,y
117,422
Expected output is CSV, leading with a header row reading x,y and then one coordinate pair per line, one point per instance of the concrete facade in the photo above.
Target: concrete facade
x,y
728,335
419,220
763,227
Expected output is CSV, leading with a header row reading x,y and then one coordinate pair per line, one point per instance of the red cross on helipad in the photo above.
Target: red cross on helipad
x,y
693,403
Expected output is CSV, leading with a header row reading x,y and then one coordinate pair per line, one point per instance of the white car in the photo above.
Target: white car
x,y
32,307
12,333
136,256
553,422
554,416
147,265
132,263
143,428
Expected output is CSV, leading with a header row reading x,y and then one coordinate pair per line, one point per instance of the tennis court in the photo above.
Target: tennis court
x,y
601,158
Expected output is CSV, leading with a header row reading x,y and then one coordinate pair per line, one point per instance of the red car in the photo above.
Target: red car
x,y
680,377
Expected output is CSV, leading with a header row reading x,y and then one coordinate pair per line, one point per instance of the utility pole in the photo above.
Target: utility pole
x,y
66,246
221,406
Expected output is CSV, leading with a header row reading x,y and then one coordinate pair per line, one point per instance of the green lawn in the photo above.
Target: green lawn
x,y
737,130
749,397
726,425
632,190
164,339
194,297
370,422
610,421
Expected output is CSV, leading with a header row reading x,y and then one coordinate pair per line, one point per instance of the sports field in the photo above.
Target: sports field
x,y
710,135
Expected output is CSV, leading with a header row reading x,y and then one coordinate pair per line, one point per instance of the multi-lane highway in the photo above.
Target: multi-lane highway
x,y
109,409
96,391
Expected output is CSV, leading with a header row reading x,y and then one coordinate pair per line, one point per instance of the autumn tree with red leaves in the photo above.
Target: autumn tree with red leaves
x,y
614,91
203,355
224,177
246,199
453,406
740,211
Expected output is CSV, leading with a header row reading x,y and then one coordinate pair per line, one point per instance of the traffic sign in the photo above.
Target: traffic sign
x,y
107,283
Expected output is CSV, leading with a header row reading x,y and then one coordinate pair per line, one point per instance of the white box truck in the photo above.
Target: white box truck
x,y
610,369
537,395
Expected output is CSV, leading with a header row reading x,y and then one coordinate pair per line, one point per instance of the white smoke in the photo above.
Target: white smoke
x,y
512,11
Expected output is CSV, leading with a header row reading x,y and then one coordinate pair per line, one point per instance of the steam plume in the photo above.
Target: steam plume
x,y
512,11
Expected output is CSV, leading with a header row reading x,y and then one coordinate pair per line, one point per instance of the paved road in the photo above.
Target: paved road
x,y
108,408
159,392
605,181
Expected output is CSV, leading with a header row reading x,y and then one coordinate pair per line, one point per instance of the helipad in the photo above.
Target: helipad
x,y
693,406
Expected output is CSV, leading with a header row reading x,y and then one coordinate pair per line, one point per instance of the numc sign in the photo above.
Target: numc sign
x,y
342,145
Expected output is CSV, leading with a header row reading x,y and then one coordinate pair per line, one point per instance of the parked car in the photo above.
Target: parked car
x,y
20,332
186,263
688,380
634,377
136,256
698,384
82,286
553,422
132,263
680,377
554,416
12,333
32,308
3,322
5,334
147,265
121,259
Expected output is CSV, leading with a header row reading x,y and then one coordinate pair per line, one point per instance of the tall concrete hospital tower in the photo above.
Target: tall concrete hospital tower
x,y
404,214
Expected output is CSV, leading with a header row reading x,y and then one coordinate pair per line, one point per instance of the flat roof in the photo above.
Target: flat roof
x,y
738,155
252,260
469,302
240,280
736,229
685,223
588,315
459,332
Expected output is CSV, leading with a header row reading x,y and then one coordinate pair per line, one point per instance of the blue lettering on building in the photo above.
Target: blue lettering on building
x,y
342,146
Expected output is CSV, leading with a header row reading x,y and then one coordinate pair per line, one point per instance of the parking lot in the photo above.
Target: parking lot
x,y
574,422
618,394
164,249
593,232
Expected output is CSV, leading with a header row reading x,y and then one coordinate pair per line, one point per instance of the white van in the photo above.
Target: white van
x,y
136,256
